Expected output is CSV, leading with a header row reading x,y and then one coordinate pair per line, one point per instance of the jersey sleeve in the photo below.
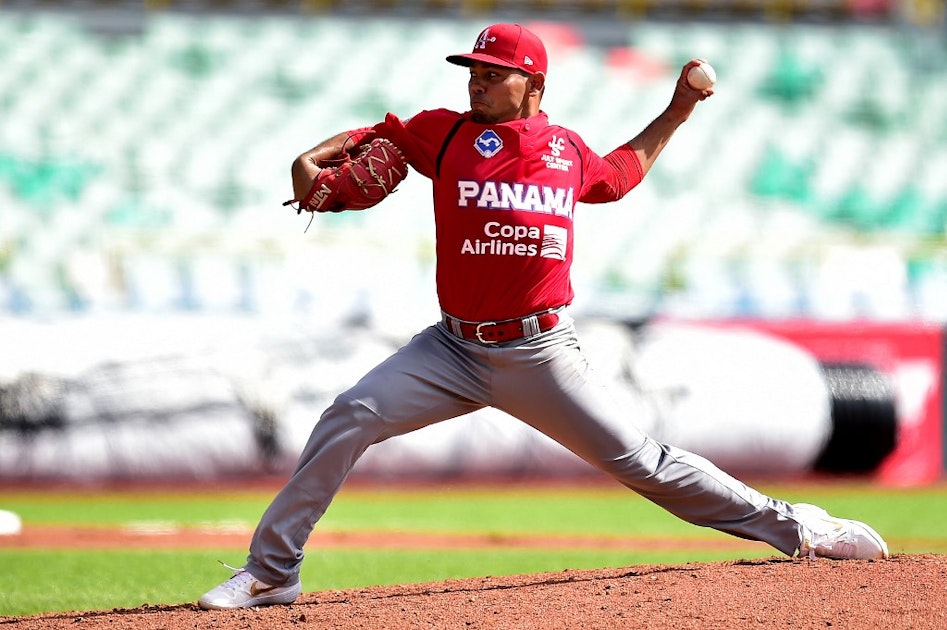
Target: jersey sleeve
x,y
611,177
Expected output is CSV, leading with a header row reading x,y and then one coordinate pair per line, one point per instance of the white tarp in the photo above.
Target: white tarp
x,y
146,397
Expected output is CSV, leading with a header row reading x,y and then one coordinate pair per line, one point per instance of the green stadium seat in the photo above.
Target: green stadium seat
x,y
183,134
790,81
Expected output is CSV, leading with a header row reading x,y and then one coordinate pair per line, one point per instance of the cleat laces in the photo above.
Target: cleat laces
x,y
239,580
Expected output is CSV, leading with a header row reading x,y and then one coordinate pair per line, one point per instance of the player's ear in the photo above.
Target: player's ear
x,y
537,81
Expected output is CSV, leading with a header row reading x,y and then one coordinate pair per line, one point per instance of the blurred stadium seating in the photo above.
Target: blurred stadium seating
x,y
145,149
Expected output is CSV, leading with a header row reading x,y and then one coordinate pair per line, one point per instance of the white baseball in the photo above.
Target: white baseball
x,y
10,523
702,77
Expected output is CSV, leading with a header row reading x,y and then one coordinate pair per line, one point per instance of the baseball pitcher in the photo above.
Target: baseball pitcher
x,y
506,183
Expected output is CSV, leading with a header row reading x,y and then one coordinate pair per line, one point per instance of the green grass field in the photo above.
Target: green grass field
x,y
46,580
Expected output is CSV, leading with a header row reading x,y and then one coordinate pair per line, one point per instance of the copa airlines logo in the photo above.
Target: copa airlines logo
x,y
555,239
488,143
516,196
502,239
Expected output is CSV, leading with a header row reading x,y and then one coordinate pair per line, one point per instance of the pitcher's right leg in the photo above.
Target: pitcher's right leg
x,y
430,379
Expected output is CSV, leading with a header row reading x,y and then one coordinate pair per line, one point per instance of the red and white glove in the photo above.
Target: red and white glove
x,y
357,183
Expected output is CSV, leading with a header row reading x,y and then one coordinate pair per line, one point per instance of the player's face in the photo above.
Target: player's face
x,y
497,94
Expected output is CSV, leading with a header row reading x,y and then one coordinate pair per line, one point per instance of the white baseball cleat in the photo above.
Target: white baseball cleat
x,y
244,591
826,536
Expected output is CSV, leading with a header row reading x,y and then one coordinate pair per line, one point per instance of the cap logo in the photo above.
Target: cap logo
x,y
503,45
484,38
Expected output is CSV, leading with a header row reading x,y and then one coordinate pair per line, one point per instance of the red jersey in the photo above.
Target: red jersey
x,y
504,198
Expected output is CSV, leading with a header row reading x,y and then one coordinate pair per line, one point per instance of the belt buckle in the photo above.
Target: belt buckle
x,y
479,332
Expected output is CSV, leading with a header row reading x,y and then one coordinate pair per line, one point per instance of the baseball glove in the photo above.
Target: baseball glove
x,y
356,183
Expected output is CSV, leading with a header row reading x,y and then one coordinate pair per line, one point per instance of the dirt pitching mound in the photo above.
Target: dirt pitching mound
x,y
907,591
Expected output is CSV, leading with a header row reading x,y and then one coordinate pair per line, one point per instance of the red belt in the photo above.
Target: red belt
x,y
506,330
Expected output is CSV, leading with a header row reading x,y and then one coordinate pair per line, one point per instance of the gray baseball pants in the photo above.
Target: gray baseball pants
x,y
544,381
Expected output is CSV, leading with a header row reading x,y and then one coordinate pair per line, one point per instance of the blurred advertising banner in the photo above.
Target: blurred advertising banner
x,y
912,355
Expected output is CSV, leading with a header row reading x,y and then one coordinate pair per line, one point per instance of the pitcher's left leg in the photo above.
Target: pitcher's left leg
x,y
548,384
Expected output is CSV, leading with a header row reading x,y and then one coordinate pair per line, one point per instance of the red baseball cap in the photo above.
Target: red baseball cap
x,y
507,45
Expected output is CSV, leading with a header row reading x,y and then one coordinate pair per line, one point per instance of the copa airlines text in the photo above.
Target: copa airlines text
x,y
516,196
495,245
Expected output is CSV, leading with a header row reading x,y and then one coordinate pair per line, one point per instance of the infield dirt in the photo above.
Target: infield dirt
x,y
906,591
